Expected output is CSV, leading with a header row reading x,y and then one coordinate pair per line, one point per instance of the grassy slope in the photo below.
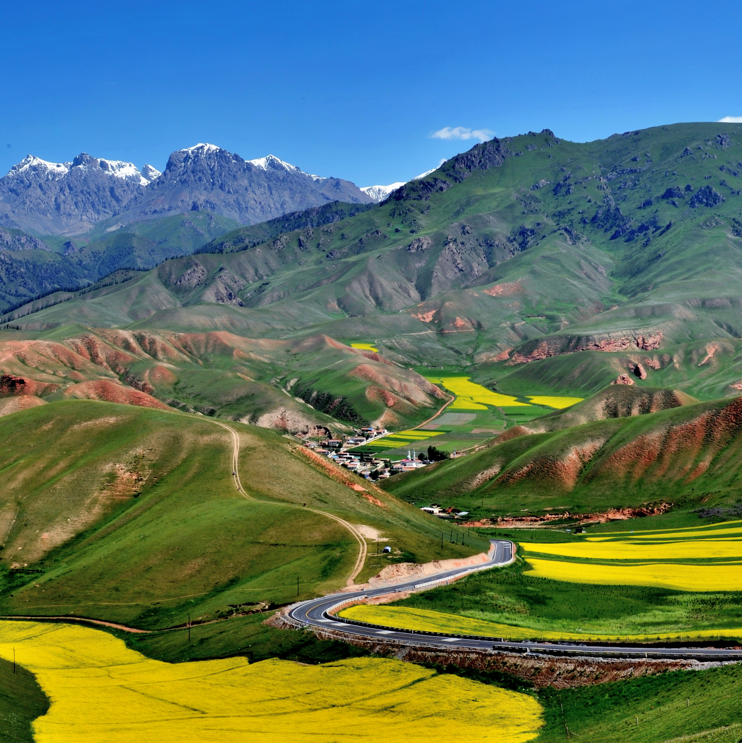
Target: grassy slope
x,y
692,707
130,514
143,245
228,375
21,702
684,455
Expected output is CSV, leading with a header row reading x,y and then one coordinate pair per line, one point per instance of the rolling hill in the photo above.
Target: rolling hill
x,y
612,451
131,514
288,385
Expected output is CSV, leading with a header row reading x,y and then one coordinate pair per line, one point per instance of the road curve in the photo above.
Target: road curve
x,y
315,613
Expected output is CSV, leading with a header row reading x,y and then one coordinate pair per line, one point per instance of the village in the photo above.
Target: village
x,y
367,465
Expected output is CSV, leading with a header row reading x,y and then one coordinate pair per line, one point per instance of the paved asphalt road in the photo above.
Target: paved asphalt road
x,y
314,613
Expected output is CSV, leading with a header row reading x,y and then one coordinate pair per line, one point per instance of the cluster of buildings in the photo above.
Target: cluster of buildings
x,y
365,464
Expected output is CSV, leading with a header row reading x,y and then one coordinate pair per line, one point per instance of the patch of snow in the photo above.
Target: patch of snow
x,y
271,161
379,193
120,169
148,174
201,148
54,171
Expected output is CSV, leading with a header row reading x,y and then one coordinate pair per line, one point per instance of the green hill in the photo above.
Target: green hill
x,y
686,455
31,267
131,514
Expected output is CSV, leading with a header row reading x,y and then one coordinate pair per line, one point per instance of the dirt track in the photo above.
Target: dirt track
x,y
363,548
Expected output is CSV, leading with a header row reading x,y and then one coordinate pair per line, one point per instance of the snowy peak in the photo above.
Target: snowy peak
x,y
379,193
32,164
271,161
149,173
202,148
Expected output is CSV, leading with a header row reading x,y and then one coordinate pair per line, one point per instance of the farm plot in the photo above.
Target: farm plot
x,y
696,559
664,585
476,415
101,690
364,347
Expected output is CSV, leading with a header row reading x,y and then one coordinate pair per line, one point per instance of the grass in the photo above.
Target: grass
x,y
687,707
131,514
687,456
84,669
21,702
519,603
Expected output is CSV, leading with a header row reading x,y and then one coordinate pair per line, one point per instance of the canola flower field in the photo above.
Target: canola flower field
x,y
364,347
402,438
552,401
705,558
473,396
701,560
426,620
102,691
677,576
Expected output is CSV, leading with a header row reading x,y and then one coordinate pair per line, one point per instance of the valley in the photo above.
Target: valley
x,y
540,353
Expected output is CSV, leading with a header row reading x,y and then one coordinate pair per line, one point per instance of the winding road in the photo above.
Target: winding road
x,y
318,613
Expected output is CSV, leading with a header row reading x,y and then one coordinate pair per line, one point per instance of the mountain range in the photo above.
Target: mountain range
x,y
45,198
540,263
93,216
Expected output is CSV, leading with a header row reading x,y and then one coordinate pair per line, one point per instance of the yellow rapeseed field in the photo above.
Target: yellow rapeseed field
x,y
425,620
689,549
364,347
102,691
728,528
472,396
678,576
554,402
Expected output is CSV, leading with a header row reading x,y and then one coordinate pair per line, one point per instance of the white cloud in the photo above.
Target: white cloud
x,y
462,132
731,120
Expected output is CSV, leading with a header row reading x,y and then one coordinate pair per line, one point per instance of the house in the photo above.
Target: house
x,y
434,508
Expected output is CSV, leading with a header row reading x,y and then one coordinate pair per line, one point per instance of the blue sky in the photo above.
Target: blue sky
x,y
354,89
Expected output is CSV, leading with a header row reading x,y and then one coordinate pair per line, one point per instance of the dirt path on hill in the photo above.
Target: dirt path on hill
x,y
363,548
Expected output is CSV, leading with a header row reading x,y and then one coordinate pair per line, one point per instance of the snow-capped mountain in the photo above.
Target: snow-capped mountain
x,y
44,170
379,193
68,198
207,177
43,197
